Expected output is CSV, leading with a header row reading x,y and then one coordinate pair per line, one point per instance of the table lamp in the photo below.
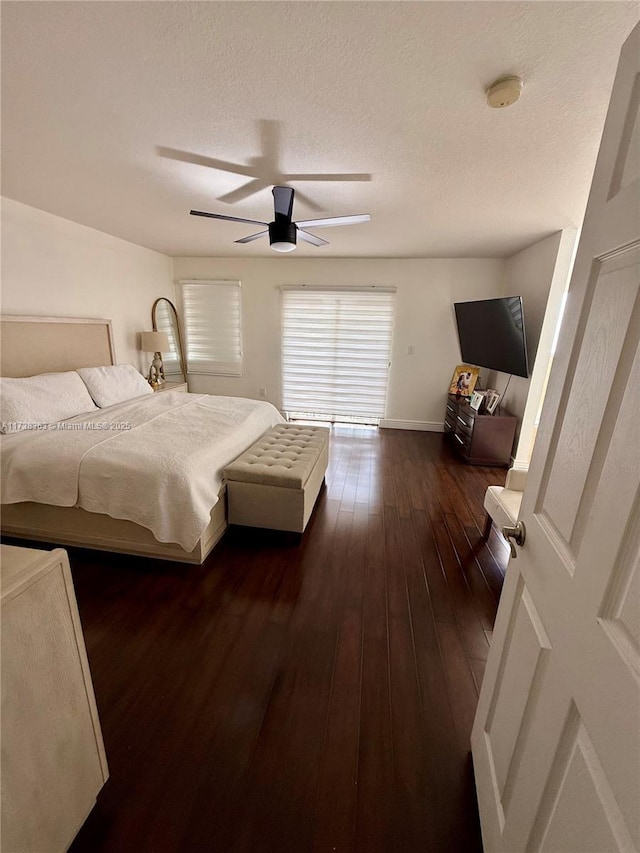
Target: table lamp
x,y
157,343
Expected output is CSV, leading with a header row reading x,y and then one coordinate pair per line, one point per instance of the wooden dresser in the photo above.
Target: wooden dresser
x,y
479,439
53,760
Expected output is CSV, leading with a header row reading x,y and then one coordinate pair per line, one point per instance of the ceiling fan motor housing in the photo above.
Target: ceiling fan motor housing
x,y
282,230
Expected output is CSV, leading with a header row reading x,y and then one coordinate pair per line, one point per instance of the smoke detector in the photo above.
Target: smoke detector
x,y
504,92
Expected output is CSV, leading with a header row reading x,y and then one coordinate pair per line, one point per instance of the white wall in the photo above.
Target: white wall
x,y
426,290
539,274
539,375
51,266
528,274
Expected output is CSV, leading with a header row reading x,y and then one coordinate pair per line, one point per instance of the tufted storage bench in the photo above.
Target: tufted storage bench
x,y
276,481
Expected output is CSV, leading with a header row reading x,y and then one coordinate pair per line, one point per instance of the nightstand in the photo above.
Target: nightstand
x,y
53,761
173,386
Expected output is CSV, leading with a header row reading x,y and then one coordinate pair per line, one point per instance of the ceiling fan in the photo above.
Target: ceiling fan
x,y
283,232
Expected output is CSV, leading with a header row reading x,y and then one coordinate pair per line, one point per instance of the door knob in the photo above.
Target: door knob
x,y
517,534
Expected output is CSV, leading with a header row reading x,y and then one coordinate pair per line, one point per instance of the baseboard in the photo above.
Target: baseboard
x,y
423,426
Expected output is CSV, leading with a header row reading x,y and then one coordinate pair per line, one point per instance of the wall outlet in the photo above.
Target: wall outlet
x,y
263,392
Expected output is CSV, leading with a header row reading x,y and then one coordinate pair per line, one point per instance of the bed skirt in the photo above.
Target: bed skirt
x,y
74,526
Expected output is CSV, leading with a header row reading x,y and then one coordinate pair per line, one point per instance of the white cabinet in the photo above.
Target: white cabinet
x,y
53,760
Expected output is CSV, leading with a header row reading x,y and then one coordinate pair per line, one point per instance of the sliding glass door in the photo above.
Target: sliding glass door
x,y
336,351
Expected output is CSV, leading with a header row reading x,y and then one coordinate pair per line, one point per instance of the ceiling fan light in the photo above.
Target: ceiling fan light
x,y
282,234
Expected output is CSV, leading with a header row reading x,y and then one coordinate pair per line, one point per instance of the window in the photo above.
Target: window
x,y
336,346
212,327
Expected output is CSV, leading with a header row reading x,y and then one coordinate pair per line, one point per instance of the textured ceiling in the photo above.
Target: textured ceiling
x,y
119,116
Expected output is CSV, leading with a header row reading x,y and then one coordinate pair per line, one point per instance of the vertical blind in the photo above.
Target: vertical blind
x,y
212,326
336,348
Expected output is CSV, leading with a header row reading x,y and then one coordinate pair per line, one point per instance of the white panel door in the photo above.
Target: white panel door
x,y
556,740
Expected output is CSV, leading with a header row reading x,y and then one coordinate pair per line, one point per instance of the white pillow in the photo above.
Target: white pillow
x,y
43,399
114,383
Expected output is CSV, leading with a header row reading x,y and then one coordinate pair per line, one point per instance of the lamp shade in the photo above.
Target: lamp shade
x,y
154,341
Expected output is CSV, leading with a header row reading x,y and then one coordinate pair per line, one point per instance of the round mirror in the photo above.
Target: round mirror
x,y
164,318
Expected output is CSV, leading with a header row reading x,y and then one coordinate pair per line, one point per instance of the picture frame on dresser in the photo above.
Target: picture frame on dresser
x,y
476,400
464,380
491,401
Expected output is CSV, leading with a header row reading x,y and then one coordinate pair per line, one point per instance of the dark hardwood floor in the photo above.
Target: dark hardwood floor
x,y
302,695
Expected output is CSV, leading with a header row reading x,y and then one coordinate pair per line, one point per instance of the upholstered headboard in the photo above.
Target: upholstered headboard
x,y
31,345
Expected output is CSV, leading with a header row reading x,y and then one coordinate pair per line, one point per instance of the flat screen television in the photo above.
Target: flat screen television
x,y
491,334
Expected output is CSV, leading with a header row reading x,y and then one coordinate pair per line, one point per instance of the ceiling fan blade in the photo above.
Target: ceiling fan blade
x,y
311,238
201,160
283,201
339,176
227,218
244,191
335,220
253,237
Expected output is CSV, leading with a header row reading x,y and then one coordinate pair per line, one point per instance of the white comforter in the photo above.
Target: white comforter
x,y
163,473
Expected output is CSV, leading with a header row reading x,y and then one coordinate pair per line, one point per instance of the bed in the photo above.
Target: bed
x,y
153,489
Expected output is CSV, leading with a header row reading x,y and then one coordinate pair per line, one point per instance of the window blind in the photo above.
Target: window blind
x,y
212,326
336,347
